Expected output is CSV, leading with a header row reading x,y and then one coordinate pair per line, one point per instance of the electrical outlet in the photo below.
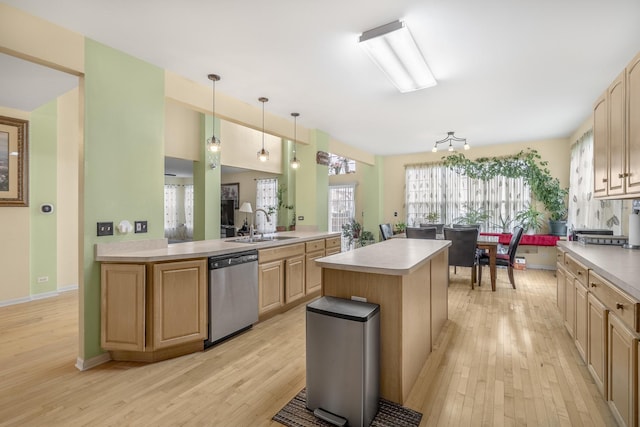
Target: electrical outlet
x,y
141,226
300,218
105,229
43,279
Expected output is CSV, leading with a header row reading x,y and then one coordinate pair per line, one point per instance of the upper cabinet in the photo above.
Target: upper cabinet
x,y
616,132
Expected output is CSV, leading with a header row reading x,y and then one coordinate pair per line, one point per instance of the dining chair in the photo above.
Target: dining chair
x,y
421,232
476,226
385,231
462,252
439,227
504,260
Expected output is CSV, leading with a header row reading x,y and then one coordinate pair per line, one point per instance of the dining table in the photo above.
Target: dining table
x,y
485,242
490,244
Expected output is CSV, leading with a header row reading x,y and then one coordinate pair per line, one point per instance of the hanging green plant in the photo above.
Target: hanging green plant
x,y
527,164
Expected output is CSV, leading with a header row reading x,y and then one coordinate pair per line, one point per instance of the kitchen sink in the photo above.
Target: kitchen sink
x,y
260,239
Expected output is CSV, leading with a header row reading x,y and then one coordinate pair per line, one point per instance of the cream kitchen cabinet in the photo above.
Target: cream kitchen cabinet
x,y
153,311
270,286
332,245
281,277
622,355
616,133
597,318
295,278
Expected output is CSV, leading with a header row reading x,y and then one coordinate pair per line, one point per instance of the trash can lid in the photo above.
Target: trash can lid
x,y
357,311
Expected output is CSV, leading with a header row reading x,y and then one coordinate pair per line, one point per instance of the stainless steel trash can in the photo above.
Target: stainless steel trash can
x,y
343,360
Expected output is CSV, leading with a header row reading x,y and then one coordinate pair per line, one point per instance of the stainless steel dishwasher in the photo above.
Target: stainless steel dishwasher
x,y
233,294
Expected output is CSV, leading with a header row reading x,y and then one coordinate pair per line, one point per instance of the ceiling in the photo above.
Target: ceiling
x,y
507,71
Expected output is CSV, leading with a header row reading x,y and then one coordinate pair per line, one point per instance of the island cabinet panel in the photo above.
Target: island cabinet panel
x,y
179,313
313,271
439,293
622,371
294,278
597,342
270,286
122,312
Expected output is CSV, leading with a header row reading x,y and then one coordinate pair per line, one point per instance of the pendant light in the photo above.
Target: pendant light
x,y
263,155
213,143
295,163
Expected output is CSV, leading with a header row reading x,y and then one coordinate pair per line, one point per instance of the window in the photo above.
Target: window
x,y
339,165
178,211
342,207
267,199
436,188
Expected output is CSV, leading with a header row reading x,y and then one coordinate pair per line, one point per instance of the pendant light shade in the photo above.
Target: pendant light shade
x,y
295,163
213,143
263,155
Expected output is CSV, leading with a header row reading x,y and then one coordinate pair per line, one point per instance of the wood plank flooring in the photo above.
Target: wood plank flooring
x,y
504,358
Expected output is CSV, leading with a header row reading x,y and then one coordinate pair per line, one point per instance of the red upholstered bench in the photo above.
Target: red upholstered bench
x,y
527,239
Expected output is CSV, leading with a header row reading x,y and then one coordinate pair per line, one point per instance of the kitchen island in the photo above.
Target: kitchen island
x,y
408,278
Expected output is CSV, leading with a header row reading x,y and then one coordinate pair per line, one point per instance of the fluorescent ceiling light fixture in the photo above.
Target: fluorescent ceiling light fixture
x,y
395,52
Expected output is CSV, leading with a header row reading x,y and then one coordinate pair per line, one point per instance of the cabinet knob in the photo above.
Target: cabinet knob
x,y
619,306
620,175
579,273
593,285
604,179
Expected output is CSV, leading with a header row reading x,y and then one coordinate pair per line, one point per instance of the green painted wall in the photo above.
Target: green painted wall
x,y
123,161
206,188
373,185
312,183
42,189
288,179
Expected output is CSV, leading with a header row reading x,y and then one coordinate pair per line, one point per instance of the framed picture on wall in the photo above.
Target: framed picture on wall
x,y
14,176
231,192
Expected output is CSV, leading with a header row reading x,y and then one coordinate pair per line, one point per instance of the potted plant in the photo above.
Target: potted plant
x,y
472,216
530,219
365,238
351,231
504,224
281,196
432,217
526,164
400,227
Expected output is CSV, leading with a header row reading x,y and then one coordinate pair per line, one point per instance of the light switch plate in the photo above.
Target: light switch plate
x,y
105,229
140,226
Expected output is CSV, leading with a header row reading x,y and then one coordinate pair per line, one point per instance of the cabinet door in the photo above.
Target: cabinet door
x,y
581,334
270,286
561,291
616,98
633,126
622,370
597,343
570,305
122,320
600,138
314,272
179,310
294,278
333,251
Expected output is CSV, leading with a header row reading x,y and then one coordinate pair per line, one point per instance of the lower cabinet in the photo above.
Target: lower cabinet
x,y
581,334
270,286
561,290
622,371
294,278
152,311
570,305
597,342
313,271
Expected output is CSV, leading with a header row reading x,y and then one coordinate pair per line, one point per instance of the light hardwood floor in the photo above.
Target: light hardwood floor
x,y
503,358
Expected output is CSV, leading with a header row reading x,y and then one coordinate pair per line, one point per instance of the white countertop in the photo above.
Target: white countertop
x,y
159,250
393,256
618,265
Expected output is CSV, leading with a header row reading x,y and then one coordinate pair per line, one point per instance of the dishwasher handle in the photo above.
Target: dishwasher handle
x,y
222,261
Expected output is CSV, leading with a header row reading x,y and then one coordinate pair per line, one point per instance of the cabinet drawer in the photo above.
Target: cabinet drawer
x,y
560,256
315,245
578,270
266,255
625,307
332,242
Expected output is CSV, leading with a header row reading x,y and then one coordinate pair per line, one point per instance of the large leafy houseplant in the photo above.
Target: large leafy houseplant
x,y
351,230
530,218
527,164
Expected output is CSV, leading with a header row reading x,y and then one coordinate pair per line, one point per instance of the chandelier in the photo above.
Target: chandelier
x,y
451,138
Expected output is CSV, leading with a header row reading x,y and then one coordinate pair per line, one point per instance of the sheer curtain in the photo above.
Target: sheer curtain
x,y
178,211
584,210
435,188
267,199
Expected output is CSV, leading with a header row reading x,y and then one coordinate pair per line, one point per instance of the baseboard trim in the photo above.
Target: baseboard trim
x,y
84,365
36,297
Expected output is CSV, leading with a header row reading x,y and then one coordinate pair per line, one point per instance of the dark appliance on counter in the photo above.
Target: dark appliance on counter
x,y
600,232
233,294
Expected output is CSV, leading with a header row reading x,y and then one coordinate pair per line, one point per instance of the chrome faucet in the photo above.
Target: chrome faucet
x,y
251,231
